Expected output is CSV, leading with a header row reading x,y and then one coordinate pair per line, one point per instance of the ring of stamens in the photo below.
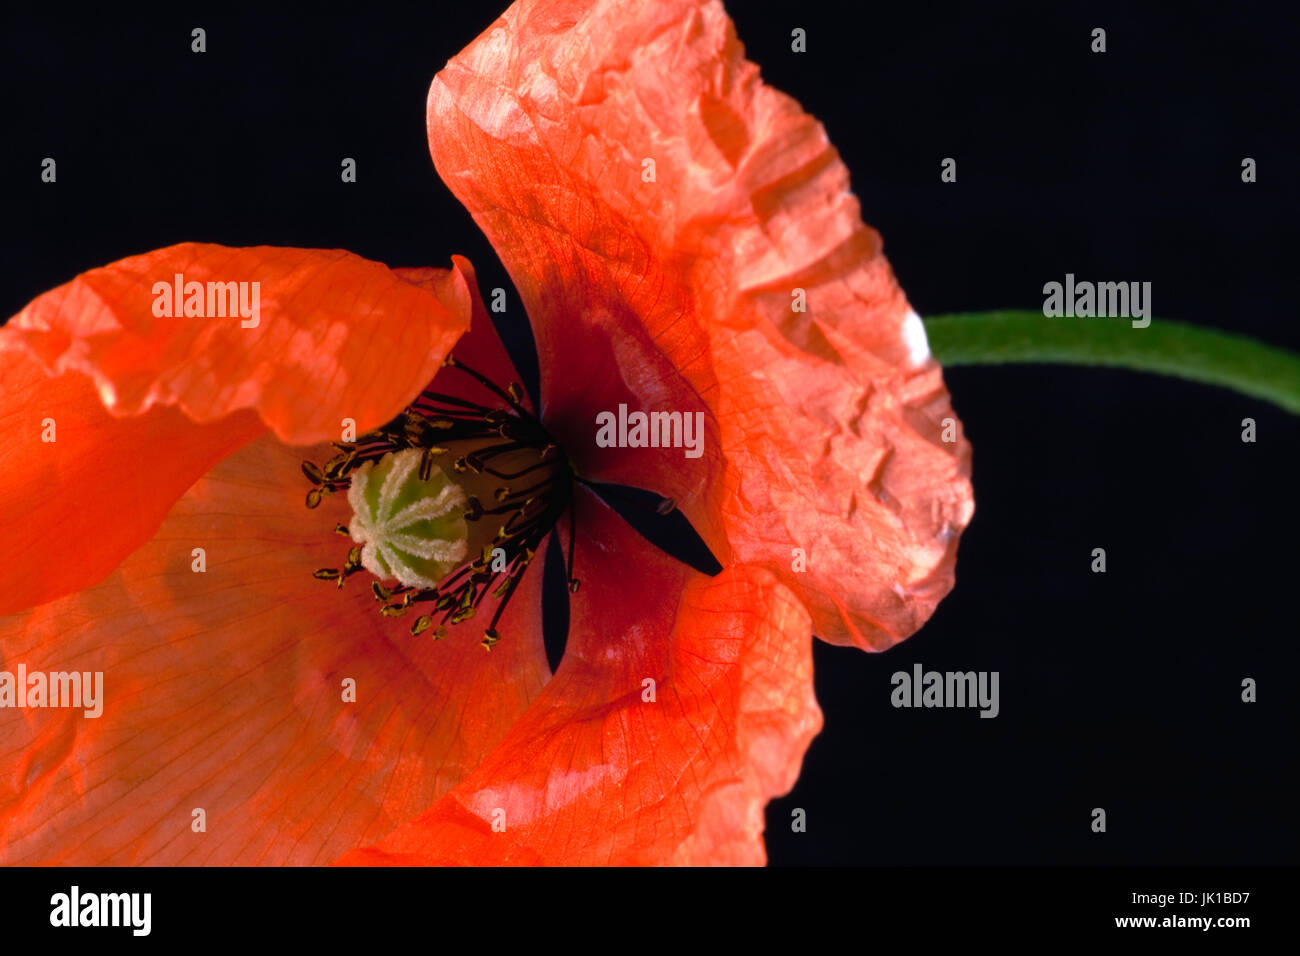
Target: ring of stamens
x,y
524,486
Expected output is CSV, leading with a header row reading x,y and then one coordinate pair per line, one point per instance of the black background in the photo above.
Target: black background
x,y
1118,690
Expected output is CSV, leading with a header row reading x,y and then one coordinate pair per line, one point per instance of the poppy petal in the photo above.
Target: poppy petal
x,y
611,326
480,348
609,768
224,691
863,500
337,337
78,488
623,375
627,162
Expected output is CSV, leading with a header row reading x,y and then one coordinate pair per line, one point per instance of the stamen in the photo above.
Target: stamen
x,y
509,476
509,396
453,400
398,479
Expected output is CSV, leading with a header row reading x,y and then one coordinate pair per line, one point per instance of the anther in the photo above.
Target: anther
x,y
337,465
501,444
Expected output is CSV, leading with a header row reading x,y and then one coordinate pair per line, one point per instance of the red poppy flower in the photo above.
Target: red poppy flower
x,y
662,213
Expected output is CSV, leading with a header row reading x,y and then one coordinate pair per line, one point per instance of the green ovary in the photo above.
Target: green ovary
x,y
409,529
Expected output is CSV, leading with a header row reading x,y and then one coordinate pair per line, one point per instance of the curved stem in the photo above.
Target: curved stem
x,y
1165,347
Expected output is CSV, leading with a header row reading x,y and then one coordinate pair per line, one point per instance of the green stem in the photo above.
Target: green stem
x,y
1168,348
